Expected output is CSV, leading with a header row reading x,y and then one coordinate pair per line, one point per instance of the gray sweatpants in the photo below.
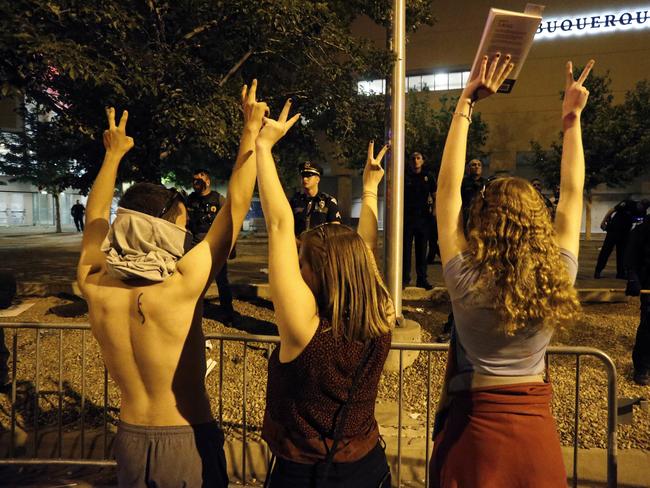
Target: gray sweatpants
x,y
180,456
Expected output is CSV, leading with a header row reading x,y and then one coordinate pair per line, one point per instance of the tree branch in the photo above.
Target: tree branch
x,y
236,67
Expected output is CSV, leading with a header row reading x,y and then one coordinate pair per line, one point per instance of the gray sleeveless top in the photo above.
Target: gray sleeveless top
x,y
482,346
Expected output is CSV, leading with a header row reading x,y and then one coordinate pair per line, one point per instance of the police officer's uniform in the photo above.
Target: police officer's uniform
x,y
637,260
202,210
419,189
309,212
618,230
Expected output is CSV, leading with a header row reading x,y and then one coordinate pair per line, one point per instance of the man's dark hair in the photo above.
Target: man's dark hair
x,y
151,199
201,170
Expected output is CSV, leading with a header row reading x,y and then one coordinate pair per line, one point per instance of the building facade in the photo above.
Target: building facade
x,y
616,33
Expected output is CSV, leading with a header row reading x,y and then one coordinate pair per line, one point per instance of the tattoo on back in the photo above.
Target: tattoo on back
x,y
140,307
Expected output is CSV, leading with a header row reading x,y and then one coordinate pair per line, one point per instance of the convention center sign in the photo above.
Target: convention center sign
x,y
605,22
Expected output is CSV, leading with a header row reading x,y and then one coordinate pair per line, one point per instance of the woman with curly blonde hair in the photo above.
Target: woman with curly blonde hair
x,y
510,272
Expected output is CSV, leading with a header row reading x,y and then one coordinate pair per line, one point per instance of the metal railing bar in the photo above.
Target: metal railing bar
x,y
399,419
428,423
36,389
59,417
105,412
243,444
59,462
14,372
576,423
221,366
82,411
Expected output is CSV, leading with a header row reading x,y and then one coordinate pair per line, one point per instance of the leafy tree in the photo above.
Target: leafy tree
x,y
179,66
427,127
36,156
614,137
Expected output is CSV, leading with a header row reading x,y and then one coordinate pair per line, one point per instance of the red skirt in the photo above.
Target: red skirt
x,y
499,437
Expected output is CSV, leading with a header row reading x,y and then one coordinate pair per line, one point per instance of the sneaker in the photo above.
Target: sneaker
x,y
424,284
209,366
642,379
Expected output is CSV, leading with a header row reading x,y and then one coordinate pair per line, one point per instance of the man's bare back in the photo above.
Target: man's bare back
x,y
153,346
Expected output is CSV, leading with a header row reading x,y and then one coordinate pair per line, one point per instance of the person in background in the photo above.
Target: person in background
x,y
77,211
310,206
335,317
203,205
617,224
509,272
637,258
7,295
419,195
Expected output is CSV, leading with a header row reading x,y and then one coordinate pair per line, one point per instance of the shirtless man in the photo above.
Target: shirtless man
x,y
147,316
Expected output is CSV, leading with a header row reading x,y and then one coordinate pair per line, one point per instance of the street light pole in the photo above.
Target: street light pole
x,y
393,234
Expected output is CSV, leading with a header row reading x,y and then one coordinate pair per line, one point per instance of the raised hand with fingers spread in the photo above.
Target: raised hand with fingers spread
x,y
274,130
488,80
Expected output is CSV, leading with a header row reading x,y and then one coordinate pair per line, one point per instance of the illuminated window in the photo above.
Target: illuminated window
x,y
454,80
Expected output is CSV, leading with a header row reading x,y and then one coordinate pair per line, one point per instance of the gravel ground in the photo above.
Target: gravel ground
x,y
610,327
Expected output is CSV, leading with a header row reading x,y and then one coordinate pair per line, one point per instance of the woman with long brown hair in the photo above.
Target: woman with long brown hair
x,y
334,317
510,272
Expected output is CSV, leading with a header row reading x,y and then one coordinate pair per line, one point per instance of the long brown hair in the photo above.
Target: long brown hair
x,y
350,292
512,244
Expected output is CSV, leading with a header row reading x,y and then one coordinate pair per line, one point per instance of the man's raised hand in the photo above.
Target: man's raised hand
x,y
254,111
115,139
575,94
273,130
373,172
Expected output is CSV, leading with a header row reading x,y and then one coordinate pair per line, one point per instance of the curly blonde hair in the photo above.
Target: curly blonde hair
x,y
350,292
512,244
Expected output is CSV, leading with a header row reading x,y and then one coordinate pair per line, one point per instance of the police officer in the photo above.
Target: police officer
x,y
419,192
472,184
617,224
637,260
311,207
203,204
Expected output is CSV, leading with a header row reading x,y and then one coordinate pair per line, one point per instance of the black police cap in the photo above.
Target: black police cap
x,y
309,167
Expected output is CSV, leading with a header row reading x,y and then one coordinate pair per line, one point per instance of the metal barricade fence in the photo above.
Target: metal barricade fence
x,y
268,343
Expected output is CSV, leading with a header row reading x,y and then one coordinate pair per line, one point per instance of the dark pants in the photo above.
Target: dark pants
x,y
79,223
367,472
418,230
641,351
618,239
433,241
225,293
4,359
185,455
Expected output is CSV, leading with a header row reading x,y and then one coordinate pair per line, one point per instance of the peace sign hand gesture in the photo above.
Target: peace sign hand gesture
x,y
273,130
115,139
488,80
575,94
373,172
